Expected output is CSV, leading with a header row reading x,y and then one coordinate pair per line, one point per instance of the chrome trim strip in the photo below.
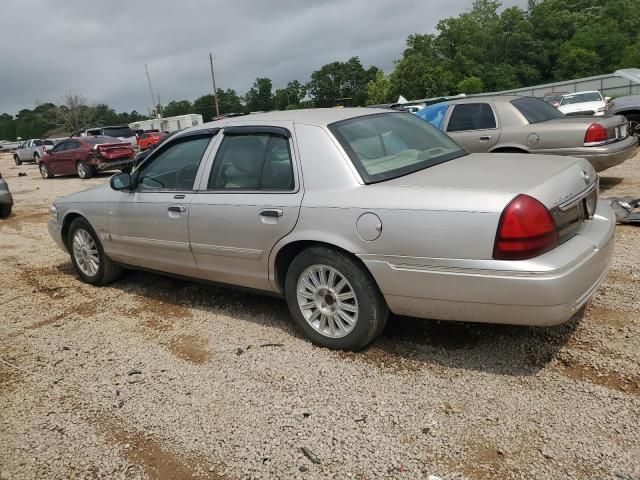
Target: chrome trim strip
x,y
426,268
225,251
575,199
146,242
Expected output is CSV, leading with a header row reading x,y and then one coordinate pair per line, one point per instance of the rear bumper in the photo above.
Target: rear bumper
x,y
603,157
5,193
546,290
103,165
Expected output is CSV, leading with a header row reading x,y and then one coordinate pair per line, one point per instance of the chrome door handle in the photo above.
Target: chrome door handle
x,y
271,212
485,138
177,208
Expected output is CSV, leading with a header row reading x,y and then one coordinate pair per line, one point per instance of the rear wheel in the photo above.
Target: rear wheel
x,y
334,300
634,124
87,255
36,157
44,171
16,159
85,171
5,210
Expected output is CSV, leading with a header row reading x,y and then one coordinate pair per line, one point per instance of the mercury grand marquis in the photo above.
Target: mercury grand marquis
x,y
351,214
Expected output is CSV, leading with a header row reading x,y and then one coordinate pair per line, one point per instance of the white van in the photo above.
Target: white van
x,y
121,132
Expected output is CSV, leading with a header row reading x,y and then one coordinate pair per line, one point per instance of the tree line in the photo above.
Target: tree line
x,y
482,49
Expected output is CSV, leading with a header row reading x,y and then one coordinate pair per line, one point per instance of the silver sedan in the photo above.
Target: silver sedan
x,y
528,125
351,214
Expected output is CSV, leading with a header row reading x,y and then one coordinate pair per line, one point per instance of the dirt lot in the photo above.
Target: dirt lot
x,y
157,378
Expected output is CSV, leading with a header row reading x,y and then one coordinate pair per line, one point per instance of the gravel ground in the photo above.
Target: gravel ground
x,y
158,378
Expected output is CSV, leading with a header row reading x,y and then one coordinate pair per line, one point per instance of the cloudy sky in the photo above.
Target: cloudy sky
x,y
98,48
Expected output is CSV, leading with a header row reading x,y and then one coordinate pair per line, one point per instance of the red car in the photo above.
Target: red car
x,y
85,156
146,139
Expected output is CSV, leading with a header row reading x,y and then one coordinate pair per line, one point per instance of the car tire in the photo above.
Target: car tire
x,y
36,157
44,170
85,171
323,308
16,159
90,262
5,210
634,124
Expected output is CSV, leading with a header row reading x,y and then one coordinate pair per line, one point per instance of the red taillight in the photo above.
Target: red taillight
x,y
526,229
596,133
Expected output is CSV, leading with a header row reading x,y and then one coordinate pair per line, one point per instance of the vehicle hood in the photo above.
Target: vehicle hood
x,y
579,107
488,181
98,194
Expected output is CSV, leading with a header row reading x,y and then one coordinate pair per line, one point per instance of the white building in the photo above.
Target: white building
x,y
168,124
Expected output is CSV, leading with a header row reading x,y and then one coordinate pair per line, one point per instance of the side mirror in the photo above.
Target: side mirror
x,y
121,181
607,99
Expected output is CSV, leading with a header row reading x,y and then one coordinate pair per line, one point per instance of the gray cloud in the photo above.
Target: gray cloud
x,y
99,49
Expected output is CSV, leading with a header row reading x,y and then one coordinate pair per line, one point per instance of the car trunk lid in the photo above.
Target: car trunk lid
x,y
113,151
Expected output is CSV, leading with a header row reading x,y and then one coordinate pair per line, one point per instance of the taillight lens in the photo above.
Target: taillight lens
x,y
526,229
596,133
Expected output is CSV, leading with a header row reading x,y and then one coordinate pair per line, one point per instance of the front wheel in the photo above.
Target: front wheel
x,y
87,255
85,171
334,299
5,210
16,159
44,171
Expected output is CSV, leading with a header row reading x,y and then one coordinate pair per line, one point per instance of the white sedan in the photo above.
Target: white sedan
x,y
583,103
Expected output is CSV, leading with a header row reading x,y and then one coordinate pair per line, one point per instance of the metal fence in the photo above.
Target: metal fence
x,y
611,85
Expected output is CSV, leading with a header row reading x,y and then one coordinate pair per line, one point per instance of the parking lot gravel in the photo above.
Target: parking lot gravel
x,y
153,377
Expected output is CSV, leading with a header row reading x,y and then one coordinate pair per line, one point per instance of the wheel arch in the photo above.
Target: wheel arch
x,y
509,149
630,111
283,255
66,223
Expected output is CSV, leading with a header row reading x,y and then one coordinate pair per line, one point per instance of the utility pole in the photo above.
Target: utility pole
x,y
153,97
213,80
160,106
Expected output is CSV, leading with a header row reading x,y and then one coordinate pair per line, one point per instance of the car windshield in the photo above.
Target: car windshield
x,y
535,110
118,132
389,145
581,98
434,114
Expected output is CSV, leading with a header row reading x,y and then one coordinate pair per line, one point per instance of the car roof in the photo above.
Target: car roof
x,y
312,116
490,98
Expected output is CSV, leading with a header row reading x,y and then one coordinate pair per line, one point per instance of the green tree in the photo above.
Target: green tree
x,y
7,127
471,85
177,107
378,89
340,82
289,98
259,96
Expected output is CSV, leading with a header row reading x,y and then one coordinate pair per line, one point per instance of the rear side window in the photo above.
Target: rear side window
x,y
252,162
536,110
471,116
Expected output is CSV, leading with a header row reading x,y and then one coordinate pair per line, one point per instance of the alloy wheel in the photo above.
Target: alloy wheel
x,y
44,171
82,172
634,128
327,301
85,252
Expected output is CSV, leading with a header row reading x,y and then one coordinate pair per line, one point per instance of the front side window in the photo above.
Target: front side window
x,y
389,145
535,110
252,162
59,147
471,116
175,167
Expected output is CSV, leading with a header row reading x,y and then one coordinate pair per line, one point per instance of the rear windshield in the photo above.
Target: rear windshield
x,y
118,132
98,139
580,98
535,110
389,145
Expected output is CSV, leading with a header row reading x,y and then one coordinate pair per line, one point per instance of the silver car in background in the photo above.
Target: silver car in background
x,y
529,125
351,214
